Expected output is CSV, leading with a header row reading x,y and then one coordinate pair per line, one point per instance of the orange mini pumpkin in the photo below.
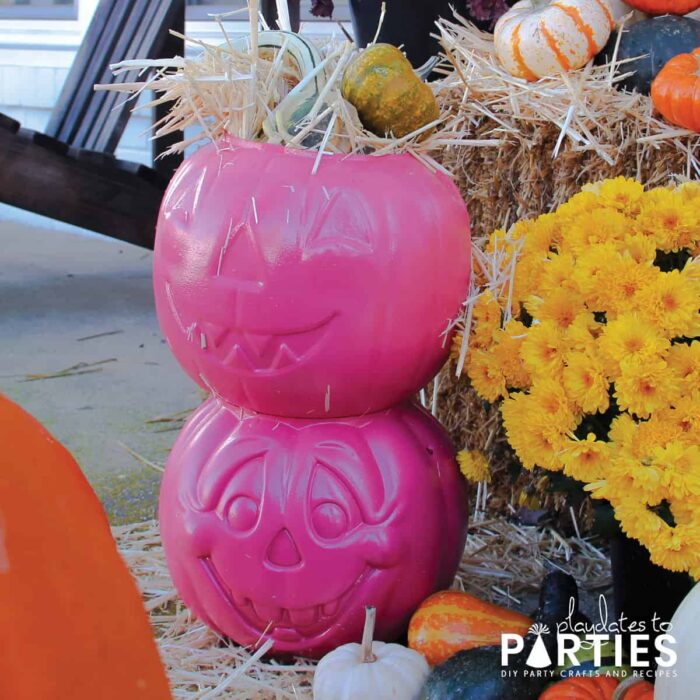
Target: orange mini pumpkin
x,y
664,7
450,621
675,91
71,616
601,688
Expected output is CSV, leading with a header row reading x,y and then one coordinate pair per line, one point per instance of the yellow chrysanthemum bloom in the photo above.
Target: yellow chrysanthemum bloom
x,y
561,307
628,336
685,360
485,375
645,385
548,399
680,466
586,460
674,547
621,193
585,382
670,221
543,350
474,465
594,228
557,273
639,248
672,303
581,203
533,437
506,350
486,319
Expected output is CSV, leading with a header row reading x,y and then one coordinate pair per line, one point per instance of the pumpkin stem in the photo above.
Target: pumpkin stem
x,y
367,635
626,685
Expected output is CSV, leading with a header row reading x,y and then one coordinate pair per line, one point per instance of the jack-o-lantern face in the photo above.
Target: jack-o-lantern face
x,y
292,527
309,295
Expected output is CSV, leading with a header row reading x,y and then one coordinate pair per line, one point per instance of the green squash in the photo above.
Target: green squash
x,y
661,38
388,95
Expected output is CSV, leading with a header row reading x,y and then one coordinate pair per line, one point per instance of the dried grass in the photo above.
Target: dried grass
x,y
502,562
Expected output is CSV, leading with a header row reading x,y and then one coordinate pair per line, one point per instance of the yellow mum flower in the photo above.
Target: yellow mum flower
x,y
561,307
623,430
690,191
684,416
672,302
486,376
474,465
586,383
675,548
486,318
557,273
531,434
621,193
670,221
549,400
581,203
506,350
586,460
640,248
595,227
645,385
685,360
680,467
456,345
543,350
636,519
628,336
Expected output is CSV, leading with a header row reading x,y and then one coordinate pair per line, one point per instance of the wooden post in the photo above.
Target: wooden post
x,y
174,46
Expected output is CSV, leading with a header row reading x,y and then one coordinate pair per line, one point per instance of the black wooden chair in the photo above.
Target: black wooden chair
x,y
70,172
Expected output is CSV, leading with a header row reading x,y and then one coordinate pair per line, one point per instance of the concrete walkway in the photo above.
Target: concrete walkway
x,y
58,289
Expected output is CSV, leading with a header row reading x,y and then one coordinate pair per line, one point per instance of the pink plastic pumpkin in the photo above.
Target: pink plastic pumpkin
x,y
309,295
293,526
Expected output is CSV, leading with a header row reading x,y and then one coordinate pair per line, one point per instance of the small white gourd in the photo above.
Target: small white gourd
x,y
371,670
683,682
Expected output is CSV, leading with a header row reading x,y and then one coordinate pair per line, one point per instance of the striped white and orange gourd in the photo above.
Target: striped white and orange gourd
x,y
451,621
538,38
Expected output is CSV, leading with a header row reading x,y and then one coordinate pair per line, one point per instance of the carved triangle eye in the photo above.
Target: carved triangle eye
x,y
240,258
343,224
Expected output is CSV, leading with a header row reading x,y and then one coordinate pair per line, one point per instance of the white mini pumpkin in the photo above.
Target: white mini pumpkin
x,y
370,671
537,38
684,682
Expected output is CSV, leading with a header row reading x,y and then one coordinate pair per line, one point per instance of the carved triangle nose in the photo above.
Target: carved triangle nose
x,y
282,550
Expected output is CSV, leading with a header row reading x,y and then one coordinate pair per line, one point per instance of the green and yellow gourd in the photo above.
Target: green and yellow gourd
x,y
389,97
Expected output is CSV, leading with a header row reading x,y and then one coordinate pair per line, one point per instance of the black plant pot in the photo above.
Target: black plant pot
x,y
640,588
406,24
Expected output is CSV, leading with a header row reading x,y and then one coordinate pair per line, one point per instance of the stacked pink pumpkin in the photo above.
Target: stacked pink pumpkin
x,y
312,307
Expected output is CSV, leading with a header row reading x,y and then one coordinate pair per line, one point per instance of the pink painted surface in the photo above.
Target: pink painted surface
x,y
309,295
298,524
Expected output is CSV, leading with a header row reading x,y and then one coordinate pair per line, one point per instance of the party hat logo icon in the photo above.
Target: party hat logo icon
x,y
539,656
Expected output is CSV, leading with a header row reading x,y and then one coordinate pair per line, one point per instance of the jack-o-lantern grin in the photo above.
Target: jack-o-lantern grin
x,y
284,623
248,351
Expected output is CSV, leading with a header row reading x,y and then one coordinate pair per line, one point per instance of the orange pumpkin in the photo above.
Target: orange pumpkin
x,y
450,621
664,7
675,91
71,616
602,688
